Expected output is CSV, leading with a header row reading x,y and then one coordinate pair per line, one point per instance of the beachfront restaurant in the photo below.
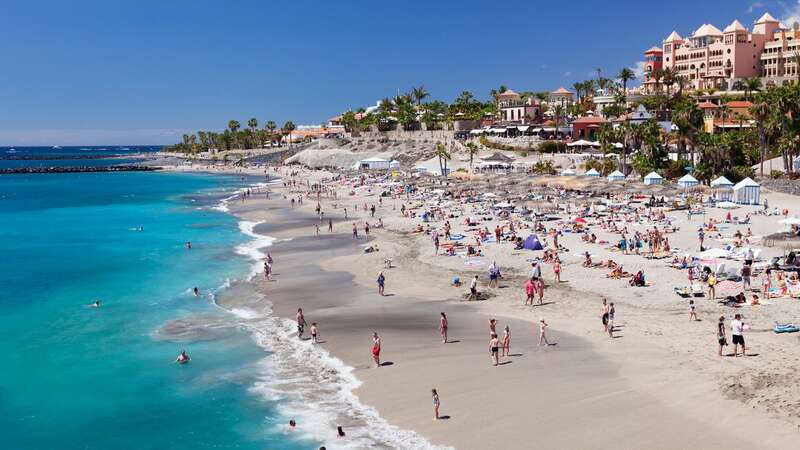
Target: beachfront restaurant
x,y
747,192
722,189
653,178
688,181
373,163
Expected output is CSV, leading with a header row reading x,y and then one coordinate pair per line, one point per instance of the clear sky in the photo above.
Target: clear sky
x,y
144,72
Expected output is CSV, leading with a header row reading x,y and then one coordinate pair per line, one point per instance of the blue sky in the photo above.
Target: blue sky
x,y
144,72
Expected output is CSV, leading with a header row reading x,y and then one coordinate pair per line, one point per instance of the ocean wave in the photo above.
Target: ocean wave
x,y
252,249
316,389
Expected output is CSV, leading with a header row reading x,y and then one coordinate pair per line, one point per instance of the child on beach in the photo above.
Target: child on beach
x,y
494,349
721,334
557,269
436,404
692,311
611,312
314,332
506,343
542,336
540,289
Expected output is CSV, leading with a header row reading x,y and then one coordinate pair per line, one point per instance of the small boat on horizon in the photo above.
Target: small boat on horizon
x,y
13,150
56,147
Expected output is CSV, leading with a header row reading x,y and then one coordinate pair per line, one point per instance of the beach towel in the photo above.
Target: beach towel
x,y
473,263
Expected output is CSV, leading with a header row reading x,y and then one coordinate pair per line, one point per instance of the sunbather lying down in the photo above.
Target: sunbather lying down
x,y
618,273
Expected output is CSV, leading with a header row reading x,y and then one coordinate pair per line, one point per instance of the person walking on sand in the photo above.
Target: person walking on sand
x,y
721,339
611,312
530,291
692,311
506,342
494,348
301,322
355,232
436,404
604,315
737,336
557,269
542,335
314,333
381,283
330,225
376,349
443,327
540,290
701,235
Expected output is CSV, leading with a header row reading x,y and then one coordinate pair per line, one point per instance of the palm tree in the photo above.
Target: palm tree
x,y
472,148
669,75
657,75
578,86
624,76
760,111
234,126
419,94
443,155
752,84
558,112
288,127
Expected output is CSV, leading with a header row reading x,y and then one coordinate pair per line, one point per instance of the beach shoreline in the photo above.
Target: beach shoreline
x,y
668,395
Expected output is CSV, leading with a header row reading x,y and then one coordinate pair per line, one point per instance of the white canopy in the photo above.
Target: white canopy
x,y
523,128
653,176
747,182
579,143
373,159
594,143
721,181
687,179
567,172
616,174
592,173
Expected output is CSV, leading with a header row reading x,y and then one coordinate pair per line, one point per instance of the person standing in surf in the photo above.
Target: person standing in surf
x,y
301,323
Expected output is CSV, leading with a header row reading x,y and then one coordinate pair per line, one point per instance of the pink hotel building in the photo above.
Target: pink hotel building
x,y
711,58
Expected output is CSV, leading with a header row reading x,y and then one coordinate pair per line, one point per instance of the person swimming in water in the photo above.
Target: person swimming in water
x,y
196,291
189,245
95,304
183,358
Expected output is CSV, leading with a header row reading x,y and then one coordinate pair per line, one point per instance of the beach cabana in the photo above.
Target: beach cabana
x,y
592,173
688,181
723,189
567,173
653,178
394,164
373,163
747,192
616,176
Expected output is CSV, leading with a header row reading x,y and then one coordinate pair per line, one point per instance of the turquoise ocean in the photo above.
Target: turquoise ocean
x,y
75,377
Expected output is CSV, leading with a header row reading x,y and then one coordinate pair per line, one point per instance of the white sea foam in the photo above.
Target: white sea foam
x,y
316,389
252,249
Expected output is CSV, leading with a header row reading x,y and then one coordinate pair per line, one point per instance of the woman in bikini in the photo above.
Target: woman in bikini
x,y
506,343
557,269
436,404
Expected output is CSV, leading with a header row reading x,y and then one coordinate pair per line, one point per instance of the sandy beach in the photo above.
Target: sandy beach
x,y
657,384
